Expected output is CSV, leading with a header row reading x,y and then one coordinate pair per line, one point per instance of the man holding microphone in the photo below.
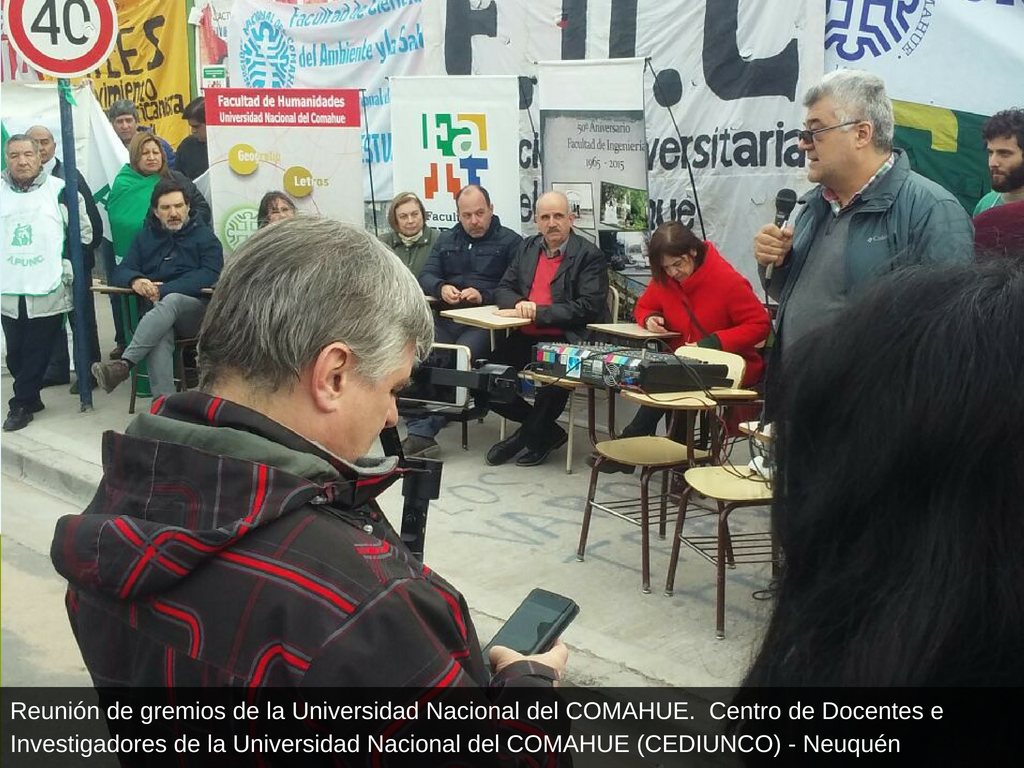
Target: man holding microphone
x,y
868,214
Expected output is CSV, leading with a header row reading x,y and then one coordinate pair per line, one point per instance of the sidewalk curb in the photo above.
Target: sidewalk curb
x,y
65,476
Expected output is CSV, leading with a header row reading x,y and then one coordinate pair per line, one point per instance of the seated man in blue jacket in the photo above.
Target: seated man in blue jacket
x,y
464,268
170,261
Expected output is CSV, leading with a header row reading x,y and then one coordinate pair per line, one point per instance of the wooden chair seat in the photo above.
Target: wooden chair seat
x,y
730,488
723,484
648,451
659,455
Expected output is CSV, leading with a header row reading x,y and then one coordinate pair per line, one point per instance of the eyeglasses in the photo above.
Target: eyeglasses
x,y
807,137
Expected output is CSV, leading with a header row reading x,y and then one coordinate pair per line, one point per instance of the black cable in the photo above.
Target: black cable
x,y
683,149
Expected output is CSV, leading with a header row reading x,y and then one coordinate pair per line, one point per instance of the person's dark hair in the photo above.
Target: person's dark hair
x,y
122,107
401,199
673,239
263,213
166,187
898,489
483,191
196,110
1009,122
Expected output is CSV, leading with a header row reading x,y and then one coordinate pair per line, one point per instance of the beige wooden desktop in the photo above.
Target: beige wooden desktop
x,y
757,430
629,331
485,317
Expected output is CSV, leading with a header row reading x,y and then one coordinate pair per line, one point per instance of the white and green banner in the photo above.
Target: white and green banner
x,y
99,154
454,131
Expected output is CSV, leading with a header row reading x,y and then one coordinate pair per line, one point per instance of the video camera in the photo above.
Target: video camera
x,y
487,383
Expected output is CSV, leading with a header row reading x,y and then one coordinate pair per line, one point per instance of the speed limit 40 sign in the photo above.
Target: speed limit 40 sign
x,y
63,38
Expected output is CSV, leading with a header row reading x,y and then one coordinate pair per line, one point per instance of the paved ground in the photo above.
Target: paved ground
x,y
496,532
39,648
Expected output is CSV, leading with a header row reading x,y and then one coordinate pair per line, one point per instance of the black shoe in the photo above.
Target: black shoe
x,y
533,457
506,449
92,382
36,407
55,381
17,418
608,466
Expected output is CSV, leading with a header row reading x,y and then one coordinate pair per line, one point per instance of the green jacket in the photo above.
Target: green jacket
x,y
413,256
901,220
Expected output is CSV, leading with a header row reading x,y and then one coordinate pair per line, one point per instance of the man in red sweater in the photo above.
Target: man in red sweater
x,y
559,281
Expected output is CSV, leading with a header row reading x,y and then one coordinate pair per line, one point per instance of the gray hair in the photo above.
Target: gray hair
x,y
23,137
858,95
303,283
41,128
122,107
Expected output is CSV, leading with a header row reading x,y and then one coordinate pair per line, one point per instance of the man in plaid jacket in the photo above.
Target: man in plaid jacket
x,y
234,539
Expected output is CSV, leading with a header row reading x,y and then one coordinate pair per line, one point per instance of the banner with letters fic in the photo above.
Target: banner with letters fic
x,y
595,150
726,96
453,131
332,45
303,142
149,65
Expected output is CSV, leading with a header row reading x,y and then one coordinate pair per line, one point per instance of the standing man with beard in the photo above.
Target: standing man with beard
x,y
1004,139
170,261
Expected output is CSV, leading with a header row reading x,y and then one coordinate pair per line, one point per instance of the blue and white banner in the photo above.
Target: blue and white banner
x,y
965,55
337,45
733,77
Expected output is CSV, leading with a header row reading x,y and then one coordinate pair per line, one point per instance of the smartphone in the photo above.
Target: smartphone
x,y
536,624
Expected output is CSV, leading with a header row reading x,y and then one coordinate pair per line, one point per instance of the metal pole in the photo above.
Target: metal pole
x,y
81,284
369,163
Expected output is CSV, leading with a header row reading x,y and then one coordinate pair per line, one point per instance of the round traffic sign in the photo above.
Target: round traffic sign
x,y
63,38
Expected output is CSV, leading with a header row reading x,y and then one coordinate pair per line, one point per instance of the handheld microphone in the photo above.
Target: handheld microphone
x,y
785,202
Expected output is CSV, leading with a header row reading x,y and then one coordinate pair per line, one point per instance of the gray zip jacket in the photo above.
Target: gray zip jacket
x,y
902,219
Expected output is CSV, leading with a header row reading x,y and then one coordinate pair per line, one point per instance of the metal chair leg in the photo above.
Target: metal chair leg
x,y
465,435
720,567
645,532
663,521
588,510
135,390
572,430
677,538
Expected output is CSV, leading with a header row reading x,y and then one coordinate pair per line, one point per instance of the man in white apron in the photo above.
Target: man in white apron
x,y
35,278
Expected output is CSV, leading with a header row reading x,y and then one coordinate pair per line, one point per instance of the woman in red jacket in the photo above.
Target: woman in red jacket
x,y
698,294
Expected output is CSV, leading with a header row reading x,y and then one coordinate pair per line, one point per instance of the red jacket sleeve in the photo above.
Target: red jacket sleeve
x,y
749,324
650,303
